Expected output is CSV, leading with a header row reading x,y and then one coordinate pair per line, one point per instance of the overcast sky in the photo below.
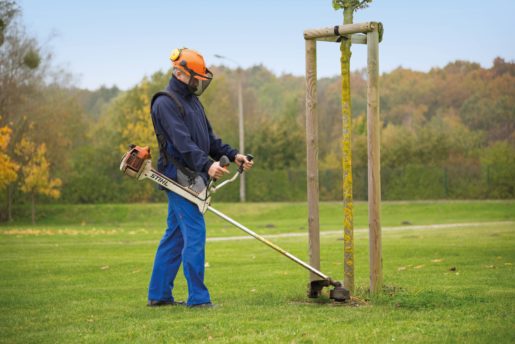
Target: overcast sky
x,y
114,42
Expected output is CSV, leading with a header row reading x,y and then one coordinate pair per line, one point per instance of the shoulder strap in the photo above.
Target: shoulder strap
x,y
170,95
161,139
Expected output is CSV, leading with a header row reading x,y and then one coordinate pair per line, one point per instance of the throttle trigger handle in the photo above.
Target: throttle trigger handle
x,y
224,161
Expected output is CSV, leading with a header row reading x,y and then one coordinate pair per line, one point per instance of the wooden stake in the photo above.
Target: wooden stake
x,y
374,169
339,30
312,156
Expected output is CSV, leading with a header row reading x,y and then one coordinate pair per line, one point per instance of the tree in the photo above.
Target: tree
x,y
19,61
277,142
36,173
20,74
499,160
8,11
349,6
8,168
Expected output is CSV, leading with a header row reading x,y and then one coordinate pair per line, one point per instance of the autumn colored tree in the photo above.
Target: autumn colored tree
x,y
8,167
35,173
20,75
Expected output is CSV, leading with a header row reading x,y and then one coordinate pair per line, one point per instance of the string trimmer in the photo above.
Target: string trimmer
x,y
137,163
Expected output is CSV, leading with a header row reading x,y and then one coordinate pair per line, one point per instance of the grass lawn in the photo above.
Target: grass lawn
x,y
81,275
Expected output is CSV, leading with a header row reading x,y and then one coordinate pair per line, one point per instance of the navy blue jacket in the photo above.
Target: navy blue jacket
x,y
190,138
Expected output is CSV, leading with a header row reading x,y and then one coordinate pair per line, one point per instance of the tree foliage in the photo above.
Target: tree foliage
x,y
431,131
426,122
452,126
37,106
8,167
19,62
35,170
35,173
355,4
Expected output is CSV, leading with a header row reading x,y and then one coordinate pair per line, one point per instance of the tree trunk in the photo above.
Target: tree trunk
x,y
348,222
33,208
9,203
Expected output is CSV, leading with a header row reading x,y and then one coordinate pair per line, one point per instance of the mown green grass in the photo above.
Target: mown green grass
x,y
84,279
266,218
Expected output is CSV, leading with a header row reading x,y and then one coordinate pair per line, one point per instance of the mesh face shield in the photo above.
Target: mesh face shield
x,y
198,83
200,76
202,85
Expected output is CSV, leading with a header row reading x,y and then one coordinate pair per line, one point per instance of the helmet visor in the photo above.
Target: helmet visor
x,y
203,84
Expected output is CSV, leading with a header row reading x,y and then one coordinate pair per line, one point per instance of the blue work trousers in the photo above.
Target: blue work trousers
x,y
183,241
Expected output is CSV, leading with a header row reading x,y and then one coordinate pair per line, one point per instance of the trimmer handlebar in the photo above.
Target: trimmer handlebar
x,y
249,157
224,161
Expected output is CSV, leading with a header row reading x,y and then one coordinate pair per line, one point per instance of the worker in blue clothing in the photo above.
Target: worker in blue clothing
x,y
186,143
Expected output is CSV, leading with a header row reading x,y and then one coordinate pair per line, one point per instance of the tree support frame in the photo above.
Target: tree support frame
x,y
369,33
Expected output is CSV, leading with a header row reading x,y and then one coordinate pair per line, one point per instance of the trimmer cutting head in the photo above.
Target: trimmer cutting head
x,y
338,293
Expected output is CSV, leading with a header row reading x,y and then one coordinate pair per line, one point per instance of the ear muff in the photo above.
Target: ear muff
x,y
176,53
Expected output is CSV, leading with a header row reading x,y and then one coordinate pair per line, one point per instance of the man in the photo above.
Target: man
x,y
186,141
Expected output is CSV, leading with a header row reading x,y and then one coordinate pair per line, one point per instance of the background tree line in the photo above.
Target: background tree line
x,y
447,133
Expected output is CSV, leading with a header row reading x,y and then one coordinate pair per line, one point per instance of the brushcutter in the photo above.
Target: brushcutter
x,y
137,163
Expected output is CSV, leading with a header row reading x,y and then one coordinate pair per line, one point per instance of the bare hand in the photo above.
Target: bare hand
x,y
216,171
242,159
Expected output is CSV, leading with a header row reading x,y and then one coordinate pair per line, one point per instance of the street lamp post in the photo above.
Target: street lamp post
x,y
240,123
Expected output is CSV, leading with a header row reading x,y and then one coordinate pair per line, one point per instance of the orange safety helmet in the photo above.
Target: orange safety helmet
x,y
190,62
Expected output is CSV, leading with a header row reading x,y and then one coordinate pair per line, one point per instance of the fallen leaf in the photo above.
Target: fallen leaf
x,y
490,266
507,264
401,268
207,265
419,266
438,260
105,267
